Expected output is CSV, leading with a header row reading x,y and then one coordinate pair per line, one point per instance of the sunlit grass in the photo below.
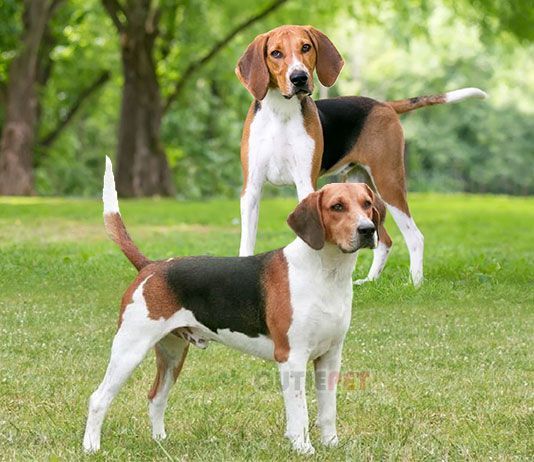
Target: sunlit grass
x,y
450,364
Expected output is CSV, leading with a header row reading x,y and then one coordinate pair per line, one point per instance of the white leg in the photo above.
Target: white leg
x,y
136,335
326,378
171,351
414,241
250,208
380,256
293,378
304,187
126,354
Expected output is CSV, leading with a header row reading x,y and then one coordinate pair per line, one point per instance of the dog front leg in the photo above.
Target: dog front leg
x,y
293,379
326,378
304,186
250,209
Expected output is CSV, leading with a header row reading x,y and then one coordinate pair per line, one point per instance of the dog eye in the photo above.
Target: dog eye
x,y
306,47
367,204
337,207
276,54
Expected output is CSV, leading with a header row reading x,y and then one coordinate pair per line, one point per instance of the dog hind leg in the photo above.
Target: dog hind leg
x,y
391,186
380,256
126,354
136,335
381,253
170,356
414,241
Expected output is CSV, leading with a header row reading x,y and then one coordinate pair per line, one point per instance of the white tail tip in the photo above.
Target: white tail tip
x,y
109,194
464,93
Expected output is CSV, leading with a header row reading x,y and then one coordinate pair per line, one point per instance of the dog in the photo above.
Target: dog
x,y
290,139
290,305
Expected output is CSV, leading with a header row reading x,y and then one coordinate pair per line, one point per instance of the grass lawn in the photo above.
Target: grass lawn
x,y
450,365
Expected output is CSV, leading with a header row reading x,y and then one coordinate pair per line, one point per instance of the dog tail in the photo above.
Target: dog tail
x,y
406,105
114,224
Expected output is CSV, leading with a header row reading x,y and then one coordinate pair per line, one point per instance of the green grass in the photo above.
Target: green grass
x,y
450,364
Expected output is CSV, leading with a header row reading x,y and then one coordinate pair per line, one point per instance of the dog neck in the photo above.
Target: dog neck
x,y
330,261
280,107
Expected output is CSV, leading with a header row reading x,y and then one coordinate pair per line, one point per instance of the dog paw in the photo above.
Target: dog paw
x,y
90,447
300,444
304,448
359,282
330,441
159,436
417,280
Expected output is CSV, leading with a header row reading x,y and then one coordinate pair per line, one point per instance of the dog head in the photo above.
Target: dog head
x,y
343,214
285,58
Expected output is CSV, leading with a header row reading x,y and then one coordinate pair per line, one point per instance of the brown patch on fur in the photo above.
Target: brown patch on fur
x,y
160,301
409,104
278,310
312,125
380,147
162,366
127,298
117,231
180,365
245,143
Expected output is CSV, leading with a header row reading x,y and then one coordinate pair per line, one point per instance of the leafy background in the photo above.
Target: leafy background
x,y
393,49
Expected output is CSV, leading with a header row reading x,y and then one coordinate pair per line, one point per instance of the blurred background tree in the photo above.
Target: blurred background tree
x,y
185,110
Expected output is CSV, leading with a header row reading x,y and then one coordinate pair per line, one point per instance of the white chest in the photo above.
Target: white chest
x,y
322,305
279,145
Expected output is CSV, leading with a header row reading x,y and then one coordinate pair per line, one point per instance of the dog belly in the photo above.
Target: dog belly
x,y
261,346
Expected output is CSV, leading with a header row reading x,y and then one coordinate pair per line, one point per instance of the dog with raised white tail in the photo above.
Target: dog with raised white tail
x,y
288,138
291,305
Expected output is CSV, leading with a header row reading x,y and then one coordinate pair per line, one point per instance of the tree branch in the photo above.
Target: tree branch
x,y
3,94
217,47
113,8
52,7
51,136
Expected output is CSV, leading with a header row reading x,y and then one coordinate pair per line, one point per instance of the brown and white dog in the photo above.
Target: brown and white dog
x,y
290,139
290,305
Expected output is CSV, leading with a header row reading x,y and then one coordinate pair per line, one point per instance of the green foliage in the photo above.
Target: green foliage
x,y
10,28
393,49
450,364
477,146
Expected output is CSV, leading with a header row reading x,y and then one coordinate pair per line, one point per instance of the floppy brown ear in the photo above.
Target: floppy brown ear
x,y
307,222
252,68
329,61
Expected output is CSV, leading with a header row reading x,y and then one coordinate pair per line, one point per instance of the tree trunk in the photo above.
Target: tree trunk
x,y
142,164
16,146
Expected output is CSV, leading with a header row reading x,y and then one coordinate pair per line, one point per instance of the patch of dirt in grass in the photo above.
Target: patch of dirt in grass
x,y
52,231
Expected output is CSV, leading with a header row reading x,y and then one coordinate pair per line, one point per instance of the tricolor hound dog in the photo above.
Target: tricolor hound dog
x,y
291,305
290,139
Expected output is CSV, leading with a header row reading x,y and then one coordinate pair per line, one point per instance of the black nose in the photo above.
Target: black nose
x,y
366,230
298,78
